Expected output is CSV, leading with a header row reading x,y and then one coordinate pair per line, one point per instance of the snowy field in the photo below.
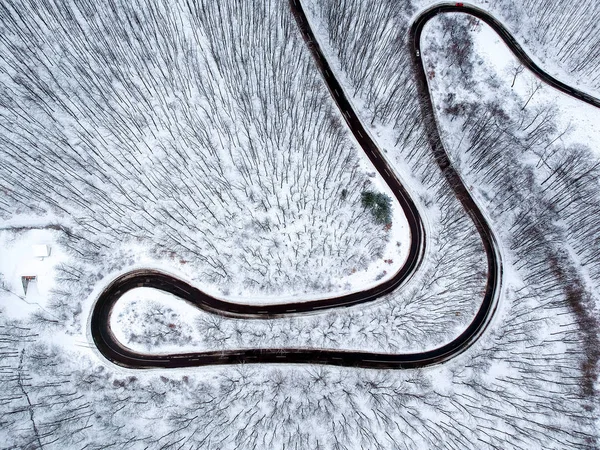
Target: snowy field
x,y
19,260
198,138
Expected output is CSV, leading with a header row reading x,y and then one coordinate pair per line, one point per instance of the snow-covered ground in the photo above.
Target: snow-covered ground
x,y
520,386
579,121
571,126
17,260
501,125
147,320
253,188
562,36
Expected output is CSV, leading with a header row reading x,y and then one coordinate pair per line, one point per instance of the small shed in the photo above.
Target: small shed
x,y
26,279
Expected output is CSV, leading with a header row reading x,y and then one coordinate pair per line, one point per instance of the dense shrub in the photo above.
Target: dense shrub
x,y
379,204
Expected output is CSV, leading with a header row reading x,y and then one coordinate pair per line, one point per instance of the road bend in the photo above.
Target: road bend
x,y
114,351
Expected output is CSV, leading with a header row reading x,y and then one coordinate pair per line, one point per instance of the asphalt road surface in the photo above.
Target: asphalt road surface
x,y
118,354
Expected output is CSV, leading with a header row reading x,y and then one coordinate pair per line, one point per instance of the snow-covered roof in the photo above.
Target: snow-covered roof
x,y
41,251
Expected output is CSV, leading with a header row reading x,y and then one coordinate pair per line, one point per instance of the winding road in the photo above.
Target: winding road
x,y
111,349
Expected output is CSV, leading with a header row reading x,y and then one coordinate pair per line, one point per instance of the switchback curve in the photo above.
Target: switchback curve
x,y
117,353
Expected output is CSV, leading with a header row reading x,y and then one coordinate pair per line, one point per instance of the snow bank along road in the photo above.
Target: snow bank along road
x,y
118,354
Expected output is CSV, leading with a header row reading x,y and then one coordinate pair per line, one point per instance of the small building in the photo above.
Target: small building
x,y
26,279
41,251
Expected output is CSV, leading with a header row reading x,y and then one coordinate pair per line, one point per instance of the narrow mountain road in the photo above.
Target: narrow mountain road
x,y
117,353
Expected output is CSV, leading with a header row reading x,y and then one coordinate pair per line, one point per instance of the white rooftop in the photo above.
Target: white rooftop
x,y
41,251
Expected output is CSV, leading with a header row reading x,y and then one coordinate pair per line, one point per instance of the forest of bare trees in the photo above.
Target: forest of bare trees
x,y
154,127
542,189
151,123
565,33
551,286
